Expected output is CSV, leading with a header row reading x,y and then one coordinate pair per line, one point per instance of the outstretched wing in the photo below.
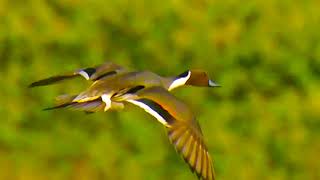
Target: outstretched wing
x,y
183,130
92,73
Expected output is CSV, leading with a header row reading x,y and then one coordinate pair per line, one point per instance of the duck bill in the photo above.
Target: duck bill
x,y
213,84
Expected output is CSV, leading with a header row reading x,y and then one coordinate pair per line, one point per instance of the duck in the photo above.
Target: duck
x,y
110,79
150,92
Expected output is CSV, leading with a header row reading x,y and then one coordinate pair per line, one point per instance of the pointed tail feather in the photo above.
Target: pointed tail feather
x,y
59,106
89,106
51,80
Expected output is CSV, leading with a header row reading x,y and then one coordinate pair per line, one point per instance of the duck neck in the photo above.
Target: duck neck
x,y
175,82
167,82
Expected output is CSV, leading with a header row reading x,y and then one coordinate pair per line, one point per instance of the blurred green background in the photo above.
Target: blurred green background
x,y
263,123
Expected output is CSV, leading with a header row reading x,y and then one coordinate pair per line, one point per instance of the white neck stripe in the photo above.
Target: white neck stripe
x,y
179,82
84,74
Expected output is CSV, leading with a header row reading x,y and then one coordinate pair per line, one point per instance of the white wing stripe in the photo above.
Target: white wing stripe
x,y
150,111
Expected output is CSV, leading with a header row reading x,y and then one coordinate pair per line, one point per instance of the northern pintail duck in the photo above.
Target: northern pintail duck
x,y
150,92
110,79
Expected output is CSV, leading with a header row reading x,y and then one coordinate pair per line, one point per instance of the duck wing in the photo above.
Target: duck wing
x,y
184,131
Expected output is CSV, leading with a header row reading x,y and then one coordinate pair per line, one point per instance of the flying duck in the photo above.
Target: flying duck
x,y
110,79
150,92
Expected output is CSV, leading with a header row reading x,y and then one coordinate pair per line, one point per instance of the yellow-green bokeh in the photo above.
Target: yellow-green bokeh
x,y
263,123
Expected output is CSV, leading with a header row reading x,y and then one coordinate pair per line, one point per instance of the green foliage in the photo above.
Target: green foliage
x,y
263,123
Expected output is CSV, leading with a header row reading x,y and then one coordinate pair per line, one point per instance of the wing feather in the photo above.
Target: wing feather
x,y
184,134
193,150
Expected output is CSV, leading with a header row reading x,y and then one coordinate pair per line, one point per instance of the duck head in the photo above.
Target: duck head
x,y
193,78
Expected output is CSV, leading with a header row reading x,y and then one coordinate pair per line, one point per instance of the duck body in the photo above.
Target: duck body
x,y
117,85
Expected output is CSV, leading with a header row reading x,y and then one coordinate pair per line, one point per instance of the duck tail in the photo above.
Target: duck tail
x,y
66,101
52,80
